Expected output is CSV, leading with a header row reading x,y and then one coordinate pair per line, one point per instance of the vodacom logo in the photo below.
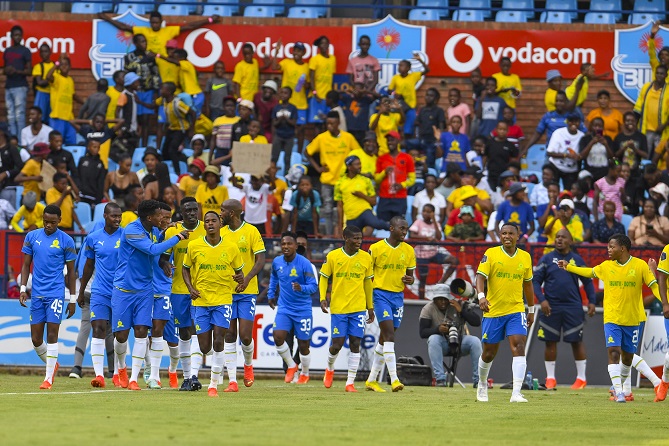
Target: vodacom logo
x,y
216,47
468,65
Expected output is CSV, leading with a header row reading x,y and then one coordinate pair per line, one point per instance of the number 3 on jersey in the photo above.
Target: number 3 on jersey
x,y
305,325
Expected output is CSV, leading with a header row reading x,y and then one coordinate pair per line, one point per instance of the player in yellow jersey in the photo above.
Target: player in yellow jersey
x,y
189,352
623,277
508,273
249,241
663,276
210,269
393,263
351,272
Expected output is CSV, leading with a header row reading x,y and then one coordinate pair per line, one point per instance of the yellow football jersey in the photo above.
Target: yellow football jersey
x,y
505,275
249,241
390,264
663,266
211,199
212,268
348,274
179,253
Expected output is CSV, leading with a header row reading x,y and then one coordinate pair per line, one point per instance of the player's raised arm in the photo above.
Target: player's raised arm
x,y
583,271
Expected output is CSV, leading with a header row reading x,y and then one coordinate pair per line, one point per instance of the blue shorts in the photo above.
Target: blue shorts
x,y
171,332
182,309
162,309
389,305
623,336
131,309
162,116
100,308
495,329
301,117
666,328
244,306
300,324
409,120
46,309
43,101
147,97
208,317
351,324
66,129
567,322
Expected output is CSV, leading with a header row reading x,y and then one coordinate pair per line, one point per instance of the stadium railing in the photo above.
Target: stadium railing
x,y
468,256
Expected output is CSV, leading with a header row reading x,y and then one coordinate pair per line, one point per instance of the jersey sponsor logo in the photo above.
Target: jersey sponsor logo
x,y
55,244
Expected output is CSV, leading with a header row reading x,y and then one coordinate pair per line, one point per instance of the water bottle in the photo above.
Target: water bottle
x,y
300,83
528,380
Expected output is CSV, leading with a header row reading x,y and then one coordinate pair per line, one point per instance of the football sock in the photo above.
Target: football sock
x,y
518,367
389,357
147,355
98,355
51,360
156,354
665,372
614,373
184,356
642,367
625,374
174,358
121,350
116,367
580,369
230,352
216,368
248,353
353,362
331,360
377,364
195,356
484,369
284,352
138,354
305,360
41,351
550,369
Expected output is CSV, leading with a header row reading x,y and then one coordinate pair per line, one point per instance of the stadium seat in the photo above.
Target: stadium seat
x,y
555,17
626,220
466,15
297,12
607,6
19,197
174,178
563,5
90,8
83,211
278,10
98,212
77,152
192,4
482,6
435,4
600,18
172,9
137,156
223,11
409,207
322,12
657,6
529,187
520,5
641,18
423,14
138,8
259,11
111,165
511,17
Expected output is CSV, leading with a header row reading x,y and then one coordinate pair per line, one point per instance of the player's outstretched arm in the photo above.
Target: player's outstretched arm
x,y
578,270
144,244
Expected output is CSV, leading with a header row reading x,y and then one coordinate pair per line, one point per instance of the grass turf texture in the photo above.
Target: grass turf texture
x,y
272,412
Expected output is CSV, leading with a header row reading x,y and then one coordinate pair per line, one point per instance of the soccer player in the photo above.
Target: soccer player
x,y
132,295
51,250
561,308
350,301
210,266
295,277
508,273
189,349
252,248
623,278
663,276
393,262
101,252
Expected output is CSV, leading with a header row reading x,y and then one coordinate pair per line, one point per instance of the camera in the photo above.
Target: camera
x,y
453,334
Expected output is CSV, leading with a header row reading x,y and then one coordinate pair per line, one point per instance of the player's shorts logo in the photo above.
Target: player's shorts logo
x,y
119,324
92,314
197,327
335,331
485,336
385,313
610,340
540,333
176,321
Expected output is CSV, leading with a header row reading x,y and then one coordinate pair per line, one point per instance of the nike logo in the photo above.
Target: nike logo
x,y
218,87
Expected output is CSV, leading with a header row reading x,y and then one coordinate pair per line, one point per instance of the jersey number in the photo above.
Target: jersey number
x,y
399,313
305,325
253,306
635,337
57,306
523,321
362,319
228,312
168,304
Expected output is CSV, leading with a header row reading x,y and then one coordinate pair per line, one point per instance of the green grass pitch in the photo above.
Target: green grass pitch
x,y
272,412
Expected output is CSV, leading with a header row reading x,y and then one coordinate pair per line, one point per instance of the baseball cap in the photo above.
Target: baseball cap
x,y
567,202
270,84
439,290
299,46
473,171
246,103
350,159
467,192
393,134
515,188
172,43
466,209
296,172
584,174
573,117
197,162
130,77
552,74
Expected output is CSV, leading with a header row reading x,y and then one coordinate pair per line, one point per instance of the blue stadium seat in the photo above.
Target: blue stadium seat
x,y
409,208
511,17
259,11
529,187
77,152
435,4
98,212
322,12
467,15
295,158
172,9
519,5
137,156
483,5
423,14
606,6
562,5
83,211
649,6
138,8
297,12
19,197
90,8
223,11
174,178
555,17
111,165
600,18
626,220
277,10
641,18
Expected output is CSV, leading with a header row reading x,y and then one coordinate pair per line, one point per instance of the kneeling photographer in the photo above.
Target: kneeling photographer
x,y
442,323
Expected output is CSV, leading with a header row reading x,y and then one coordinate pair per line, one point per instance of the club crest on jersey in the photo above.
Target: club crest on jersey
x,y
55,244
293,272
118,244
663,256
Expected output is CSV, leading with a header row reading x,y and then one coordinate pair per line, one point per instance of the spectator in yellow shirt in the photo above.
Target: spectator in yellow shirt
x,y
31,173
30,212
403,85
210,195
389,119
565,218
62,97
554,80
180,125
246,78
508,85
254,135
367,155
189,182
61,195
42,87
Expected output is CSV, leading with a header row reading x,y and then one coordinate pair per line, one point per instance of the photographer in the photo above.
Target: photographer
x,y
442,323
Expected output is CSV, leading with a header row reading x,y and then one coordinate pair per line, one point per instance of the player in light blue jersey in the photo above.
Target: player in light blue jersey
x,y
294,275
101,253
50,250
132,295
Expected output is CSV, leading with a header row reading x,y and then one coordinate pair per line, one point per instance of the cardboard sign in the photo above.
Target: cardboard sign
x,y
48,171
251,158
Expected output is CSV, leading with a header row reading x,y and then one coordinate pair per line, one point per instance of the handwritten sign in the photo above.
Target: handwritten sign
x,y
47,173
251,158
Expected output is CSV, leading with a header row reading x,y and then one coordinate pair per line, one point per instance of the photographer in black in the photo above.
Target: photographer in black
x,y
442,323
